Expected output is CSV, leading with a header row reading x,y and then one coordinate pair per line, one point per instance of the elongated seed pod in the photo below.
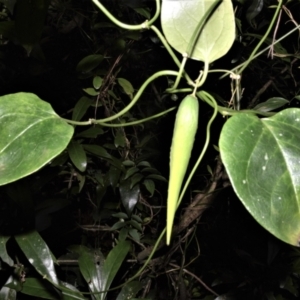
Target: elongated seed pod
x,y
185,128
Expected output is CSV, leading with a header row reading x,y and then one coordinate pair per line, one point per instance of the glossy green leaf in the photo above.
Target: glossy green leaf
x,y
262,159
89,63
77,155
129,290
3,252
81,108
90,262
29,21
31,135
129,196
113,263
38,254
126,86
97,82
181,20
271,104
39,288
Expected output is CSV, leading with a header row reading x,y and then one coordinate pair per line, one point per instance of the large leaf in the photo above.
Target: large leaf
x,y
31,135
262,159
38,254
182,20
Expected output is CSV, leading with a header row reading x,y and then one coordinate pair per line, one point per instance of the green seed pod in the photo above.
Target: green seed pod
x,y
185,128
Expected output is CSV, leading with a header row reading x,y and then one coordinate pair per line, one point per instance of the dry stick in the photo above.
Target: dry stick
x,y
195,210
266,85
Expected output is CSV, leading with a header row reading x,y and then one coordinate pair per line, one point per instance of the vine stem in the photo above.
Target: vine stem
x,y
144,25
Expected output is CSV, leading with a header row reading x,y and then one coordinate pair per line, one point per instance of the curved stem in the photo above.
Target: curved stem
x,y
133,123
137,95
170,51
144,25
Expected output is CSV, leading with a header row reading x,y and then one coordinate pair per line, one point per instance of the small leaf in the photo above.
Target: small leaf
x,y
144,164
81,108
120,140
36,138
127,86
123,233
135,179
113,176
91,91
150,186
144,12
135,234
157,177
77,156
97,150
137,218
118,225
88,63
130,172
150,170
120,215
128,163
135,224
38,254
92,132
97,82
129,197
271,104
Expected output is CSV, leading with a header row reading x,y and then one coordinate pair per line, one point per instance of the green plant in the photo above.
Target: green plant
x,y
259,155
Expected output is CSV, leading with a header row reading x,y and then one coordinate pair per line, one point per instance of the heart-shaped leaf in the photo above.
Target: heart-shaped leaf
x,y
262,159
184,21
31,135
